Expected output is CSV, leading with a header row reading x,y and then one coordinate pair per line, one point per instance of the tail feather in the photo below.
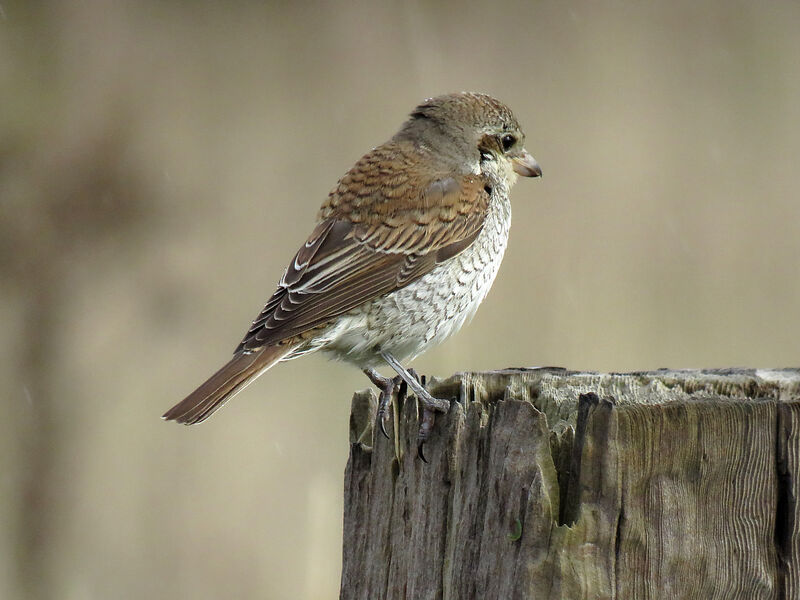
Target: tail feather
x,y
224,385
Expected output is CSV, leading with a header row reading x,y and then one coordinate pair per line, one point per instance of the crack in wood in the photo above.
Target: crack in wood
x,y
685,485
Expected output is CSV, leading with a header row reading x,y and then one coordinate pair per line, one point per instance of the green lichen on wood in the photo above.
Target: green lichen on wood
x,y
624,486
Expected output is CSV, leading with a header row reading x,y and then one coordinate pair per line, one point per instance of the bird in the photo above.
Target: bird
x,y
406,246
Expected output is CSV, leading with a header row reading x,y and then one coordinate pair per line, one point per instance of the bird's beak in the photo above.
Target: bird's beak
x,y
524,164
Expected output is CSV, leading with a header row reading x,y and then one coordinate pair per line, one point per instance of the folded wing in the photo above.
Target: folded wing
x,y
372,238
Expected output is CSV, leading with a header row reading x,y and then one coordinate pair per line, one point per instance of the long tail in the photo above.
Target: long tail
x,y
224,385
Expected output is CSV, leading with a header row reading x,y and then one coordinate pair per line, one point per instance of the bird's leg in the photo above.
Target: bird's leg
x,y
387,387
426,422
415,386
430,405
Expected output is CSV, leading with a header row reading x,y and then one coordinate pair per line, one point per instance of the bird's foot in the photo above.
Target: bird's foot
x,y
388,386
430,406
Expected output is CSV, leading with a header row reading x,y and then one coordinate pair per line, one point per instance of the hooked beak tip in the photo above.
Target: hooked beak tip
x,y
524,164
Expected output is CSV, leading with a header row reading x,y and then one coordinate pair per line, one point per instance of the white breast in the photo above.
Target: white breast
x,y
424,313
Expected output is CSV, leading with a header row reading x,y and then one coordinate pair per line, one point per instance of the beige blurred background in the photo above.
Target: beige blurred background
x,y
160,162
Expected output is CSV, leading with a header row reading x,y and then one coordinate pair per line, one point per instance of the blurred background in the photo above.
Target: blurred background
x,y
160,162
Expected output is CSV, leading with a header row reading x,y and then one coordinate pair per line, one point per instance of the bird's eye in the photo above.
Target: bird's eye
x,y
508,141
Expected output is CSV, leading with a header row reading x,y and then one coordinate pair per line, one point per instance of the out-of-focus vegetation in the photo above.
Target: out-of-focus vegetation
x,y
161,161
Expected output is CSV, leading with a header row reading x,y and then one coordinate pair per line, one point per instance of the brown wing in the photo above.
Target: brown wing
x,y
384,225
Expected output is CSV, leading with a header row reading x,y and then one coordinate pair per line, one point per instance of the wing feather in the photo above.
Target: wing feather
x,y
376,234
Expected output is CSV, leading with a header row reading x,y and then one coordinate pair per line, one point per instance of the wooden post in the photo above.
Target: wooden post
x,y
544,483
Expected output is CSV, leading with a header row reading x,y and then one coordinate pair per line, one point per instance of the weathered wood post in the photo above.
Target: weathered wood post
x,y
544,483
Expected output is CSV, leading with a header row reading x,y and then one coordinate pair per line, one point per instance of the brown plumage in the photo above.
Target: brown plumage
x,y
391,230
361,249
231,379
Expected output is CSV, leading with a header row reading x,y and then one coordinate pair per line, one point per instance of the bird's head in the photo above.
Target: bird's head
x,y
477,132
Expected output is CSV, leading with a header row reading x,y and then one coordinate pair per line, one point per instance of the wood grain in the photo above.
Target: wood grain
x,y
544,483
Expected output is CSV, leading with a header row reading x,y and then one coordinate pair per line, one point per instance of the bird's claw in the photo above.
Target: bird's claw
x,y
420,453
430,405
382,420
388,388
425,428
